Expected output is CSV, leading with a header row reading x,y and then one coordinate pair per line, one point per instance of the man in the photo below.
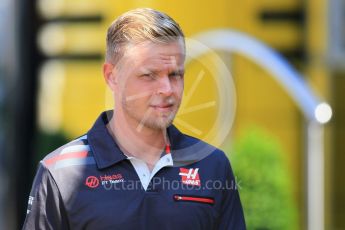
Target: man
x,y
134,169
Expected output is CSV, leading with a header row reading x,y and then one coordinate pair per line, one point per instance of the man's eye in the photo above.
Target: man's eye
x,y
176,75
148,75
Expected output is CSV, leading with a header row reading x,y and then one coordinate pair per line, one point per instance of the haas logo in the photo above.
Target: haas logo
x,y
190,176
92,182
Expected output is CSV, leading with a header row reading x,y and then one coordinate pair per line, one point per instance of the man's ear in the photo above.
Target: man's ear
x,y
109,74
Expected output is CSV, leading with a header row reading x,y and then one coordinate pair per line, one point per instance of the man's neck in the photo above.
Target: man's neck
x,y
144,143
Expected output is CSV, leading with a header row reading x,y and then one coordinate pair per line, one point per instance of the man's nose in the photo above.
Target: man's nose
x,y
165,86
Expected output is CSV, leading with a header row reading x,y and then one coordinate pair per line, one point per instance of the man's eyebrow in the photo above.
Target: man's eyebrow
x,y
156,70
148,70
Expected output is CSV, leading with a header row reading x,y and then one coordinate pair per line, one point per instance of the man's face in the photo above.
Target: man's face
x,y
150,83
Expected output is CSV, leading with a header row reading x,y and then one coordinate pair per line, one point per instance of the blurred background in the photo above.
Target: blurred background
x,y
52,90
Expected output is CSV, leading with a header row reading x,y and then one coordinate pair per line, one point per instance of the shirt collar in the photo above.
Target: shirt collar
x,y
105,149
184,149
102,144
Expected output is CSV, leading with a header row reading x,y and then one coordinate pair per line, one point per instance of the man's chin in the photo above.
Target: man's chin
x,y
159,123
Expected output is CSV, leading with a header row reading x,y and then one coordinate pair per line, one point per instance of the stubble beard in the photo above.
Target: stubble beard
x,y
160,122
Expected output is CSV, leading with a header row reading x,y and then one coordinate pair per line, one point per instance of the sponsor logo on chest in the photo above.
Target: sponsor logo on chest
x,y
94,182
190,176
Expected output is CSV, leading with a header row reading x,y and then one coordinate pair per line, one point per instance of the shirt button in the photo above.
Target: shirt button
x,y
144,175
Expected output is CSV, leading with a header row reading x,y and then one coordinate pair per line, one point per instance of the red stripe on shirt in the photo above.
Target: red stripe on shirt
x,y
64,156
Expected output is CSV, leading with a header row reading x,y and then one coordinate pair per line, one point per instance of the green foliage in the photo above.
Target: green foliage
x,y
264,182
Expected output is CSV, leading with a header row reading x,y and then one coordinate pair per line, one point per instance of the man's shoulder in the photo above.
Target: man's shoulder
x,y
204,145
75,149
66,168
194,149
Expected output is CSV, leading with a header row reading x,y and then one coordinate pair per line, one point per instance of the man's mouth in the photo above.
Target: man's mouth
x,y
163,107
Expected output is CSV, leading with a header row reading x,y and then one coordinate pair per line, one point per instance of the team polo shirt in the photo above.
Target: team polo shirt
x,y
90,183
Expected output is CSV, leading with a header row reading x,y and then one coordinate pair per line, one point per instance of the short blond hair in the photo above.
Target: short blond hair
x,y
140,25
